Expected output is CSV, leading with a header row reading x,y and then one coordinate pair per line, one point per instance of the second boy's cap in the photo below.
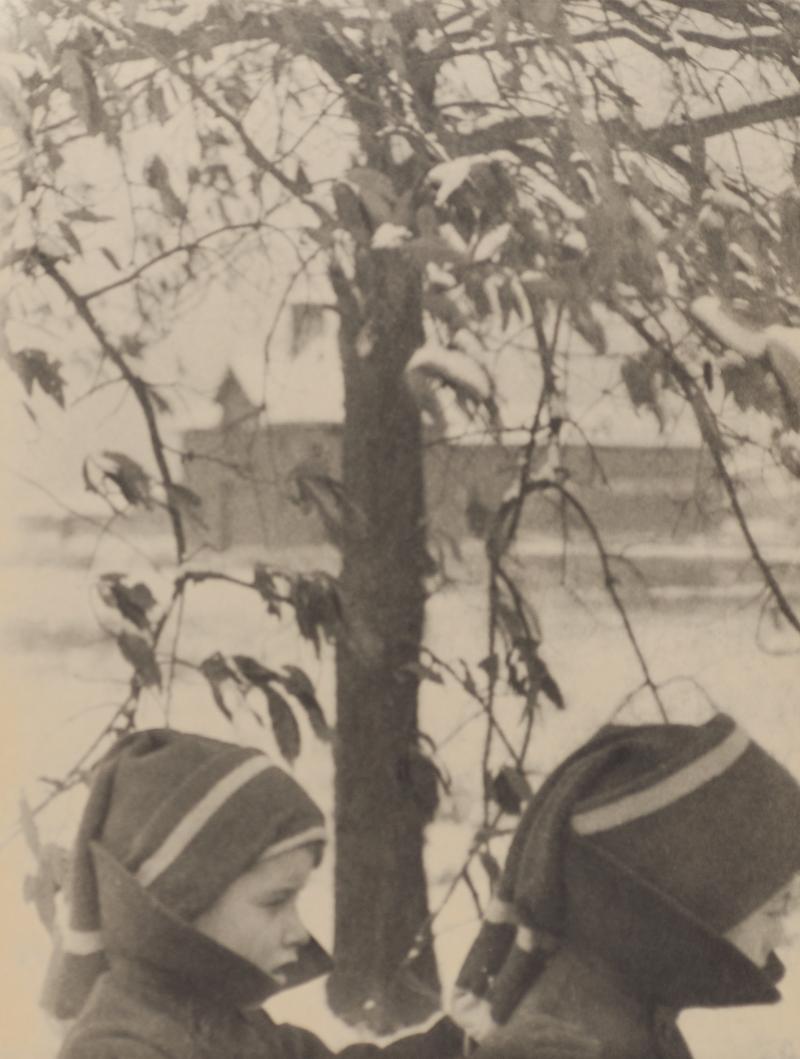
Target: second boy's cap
x,y
644,847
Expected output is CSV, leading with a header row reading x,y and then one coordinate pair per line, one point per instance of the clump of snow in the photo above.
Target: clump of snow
x,y
454,367
489,244
710,219
451,175
747,261
648,221
542,188
749,281
779,343
439,276
780,339
388,236
708,312
576,241
453,238
726,200
399,148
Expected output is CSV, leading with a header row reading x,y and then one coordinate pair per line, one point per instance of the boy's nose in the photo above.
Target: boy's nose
x,y
295,933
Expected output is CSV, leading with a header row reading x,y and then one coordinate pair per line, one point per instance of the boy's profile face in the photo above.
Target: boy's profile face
x,y
765,929
256,917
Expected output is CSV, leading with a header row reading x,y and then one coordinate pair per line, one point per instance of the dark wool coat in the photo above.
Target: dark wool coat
x,y
173,993
589,996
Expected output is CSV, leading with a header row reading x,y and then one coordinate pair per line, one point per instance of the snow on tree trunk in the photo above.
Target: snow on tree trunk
x,y
381,805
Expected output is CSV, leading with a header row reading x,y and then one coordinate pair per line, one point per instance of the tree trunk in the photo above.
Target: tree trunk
x,y
385,967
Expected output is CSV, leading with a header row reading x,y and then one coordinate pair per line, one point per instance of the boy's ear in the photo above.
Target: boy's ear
x,y
531,1035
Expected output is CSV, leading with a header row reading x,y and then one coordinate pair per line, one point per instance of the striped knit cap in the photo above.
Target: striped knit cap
x,y
644,847
185,816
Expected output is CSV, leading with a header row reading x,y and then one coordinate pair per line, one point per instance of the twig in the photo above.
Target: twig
x,y
138,386
609,582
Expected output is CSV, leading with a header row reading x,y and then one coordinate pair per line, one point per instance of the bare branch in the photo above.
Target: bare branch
x,y
137,385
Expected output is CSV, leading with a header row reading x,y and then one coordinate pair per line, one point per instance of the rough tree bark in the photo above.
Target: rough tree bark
x,y
382,800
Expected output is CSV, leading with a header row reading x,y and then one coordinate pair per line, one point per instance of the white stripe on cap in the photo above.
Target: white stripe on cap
x,y
198,816
667,791
73,940
80,942
302,838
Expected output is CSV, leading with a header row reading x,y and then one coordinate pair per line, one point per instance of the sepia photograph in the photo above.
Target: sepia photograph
x,y
400,529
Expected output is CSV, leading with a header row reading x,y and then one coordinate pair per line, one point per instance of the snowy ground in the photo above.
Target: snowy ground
x,y
62,680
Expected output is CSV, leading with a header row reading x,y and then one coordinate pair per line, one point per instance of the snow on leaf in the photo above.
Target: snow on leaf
x,y
399,148
648,221
575,241
423,390
453,238
489,244
726,200
388,236
709,313
541,188
431,248
439,277
455,369
747,261
451,175
710,219
785,340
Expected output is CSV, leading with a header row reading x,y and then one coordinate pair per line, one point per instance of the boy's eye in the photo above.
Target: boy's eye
x,y
275,901
787,905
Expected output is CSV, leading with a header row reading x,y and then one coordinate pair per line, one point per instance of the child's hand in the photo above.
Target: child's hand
x,y
536,1036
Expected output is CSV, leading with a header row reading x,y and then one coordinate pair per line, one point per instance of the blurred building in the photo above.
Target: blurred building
x,y
274,484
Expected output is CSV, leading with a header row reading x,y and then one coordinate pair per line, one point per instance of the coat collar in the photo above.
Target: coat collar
x,y
138,931
588,993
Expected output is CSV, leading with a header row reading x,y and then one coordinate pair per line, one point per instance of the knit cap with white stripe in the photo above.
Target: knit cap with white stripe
x,y
185,816
644,847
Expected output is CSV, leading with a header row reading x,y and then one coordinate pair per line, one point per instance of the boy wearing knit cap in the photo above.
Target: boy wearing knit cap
x,y
651,872
181,916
